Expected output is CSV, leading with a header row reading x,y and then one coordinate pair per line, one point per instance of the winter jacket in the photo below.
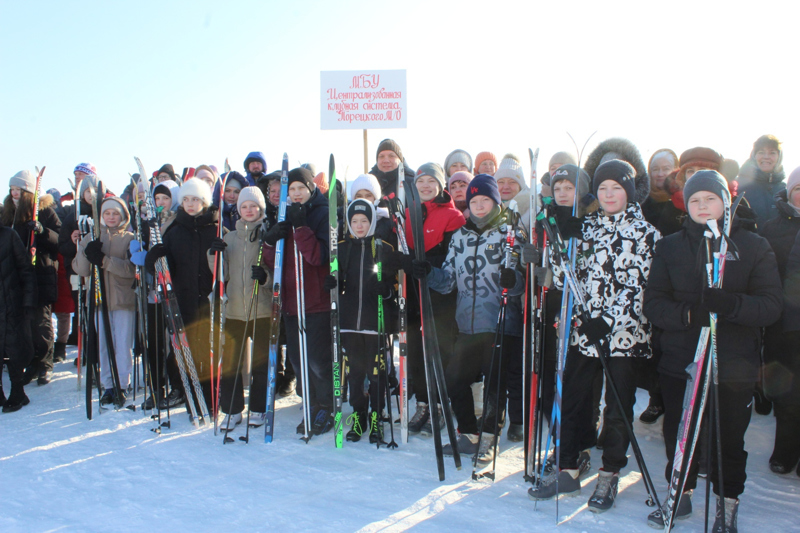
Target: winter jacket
x,y
17,291
760,193
613,263
674,291
359,303
781,231
46,243
240,256
388,180
473,263
666,218
254,156
118,272
69,224
187,241
312,242
791,288
440,219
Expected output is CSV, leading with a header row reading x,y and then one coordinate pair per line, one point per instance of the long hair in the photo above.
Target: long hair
x,y
11,215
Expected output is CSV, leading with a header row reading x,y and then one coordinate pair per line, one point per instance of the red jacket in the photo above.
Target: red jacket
x,y
440,216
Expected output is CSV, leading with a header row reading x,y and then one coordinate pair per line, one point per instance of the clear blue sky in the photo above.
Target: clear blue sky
x,y
195,82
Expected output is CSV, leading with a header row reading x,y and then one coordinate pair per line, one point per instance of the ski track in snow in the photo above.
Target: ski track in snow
x,y
62,472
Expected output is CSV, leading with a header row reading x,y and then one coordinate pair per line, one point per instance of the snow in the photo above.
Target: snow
x,y
62,472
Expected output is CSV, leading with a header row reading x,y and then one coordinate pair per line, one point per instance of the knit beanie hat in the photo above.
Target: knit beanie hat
x,y
24,179
55,193
707,180
322,183
457,156
570,173
510,167
251,194
362,207
167,168
389,144
616,170
792,182
729,169
302,175
484,156
433,170
366,182
197,188
86,168
89,182
484,185
461,175
115,204
166,187
562,158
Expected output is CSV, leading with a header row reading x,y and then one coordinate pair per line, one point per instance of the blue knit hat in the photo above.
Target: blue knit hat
x,y
483,185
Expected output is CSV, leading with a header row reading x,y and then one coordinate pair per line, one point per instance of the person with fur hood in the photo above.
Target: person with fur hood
x,y
110,254
768,180
17,305
18,215
614,250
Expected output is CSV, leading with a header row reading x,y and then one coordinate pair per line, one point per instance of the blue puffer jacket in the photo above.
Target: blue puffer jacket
x,y
473,263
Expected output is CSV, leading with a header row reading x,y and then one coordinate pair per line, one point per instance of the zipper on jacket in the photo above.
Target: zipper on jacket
x,y
360,286
474,283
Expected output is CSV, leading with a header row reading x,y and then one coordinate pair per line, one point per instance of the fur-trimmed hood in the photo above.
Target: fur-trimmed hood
x,y
628,152
46,201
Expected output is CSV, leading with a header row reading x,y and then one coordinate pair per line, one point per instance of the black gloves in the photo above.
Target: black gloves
x,y
217,245
420,269
394,261
570,227
381,288
530,254
719,301
259,274
507,278
277,232
698,316
296,214
35,226
330,283
94,252
155,253
595,329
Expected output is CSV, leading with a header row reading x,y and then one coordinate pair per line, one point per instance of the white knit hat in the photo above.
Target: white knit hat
x,y
25,180
195,187
366,182
251,194
510,167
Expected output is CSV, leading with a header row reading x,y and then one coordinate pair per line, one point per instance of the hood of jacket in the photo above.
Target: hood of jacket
x,y
628,152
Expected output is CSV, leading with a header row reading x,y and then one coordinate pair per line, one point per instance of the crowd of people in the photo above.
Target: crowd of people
x,y
638,231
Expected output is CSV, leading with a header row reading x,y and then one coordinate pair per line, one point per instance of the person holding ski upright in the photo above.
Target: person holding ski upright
x,y
475,267
441,220
306,226
18,304
360,290
614,252
240,250
781,339
109,253
679,300
185,245
18,214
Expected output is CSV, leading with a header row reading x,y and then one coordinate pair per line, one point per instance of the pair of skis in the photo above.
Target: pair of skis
x,y
218,289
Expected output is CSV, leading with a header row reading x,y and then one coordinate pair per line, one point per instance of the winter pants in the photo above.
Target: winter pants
x,y
514,386
735,400
159,347
578,409
123,323
472,355
63,323
444,306
782,384
320,361
231,383
363,353
42,331
647,377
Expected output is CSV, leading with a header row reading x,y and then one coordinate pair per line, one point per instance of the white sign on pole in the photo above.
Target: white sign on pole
x,y
363,99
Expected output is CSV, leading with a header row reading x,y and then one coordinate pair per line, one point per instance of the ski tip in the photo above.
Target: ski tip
x,y
285,157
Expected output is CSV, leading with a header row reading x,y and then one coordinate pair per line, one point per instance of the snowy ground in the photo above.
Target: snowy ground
x,y
62,472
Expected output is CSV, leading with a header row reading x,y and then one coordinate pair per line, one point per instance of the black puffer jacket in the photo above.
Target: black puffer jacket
x,y
388,180
667,218
781,231
66,247
357,299
675,286
17,291
187,241
46,242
